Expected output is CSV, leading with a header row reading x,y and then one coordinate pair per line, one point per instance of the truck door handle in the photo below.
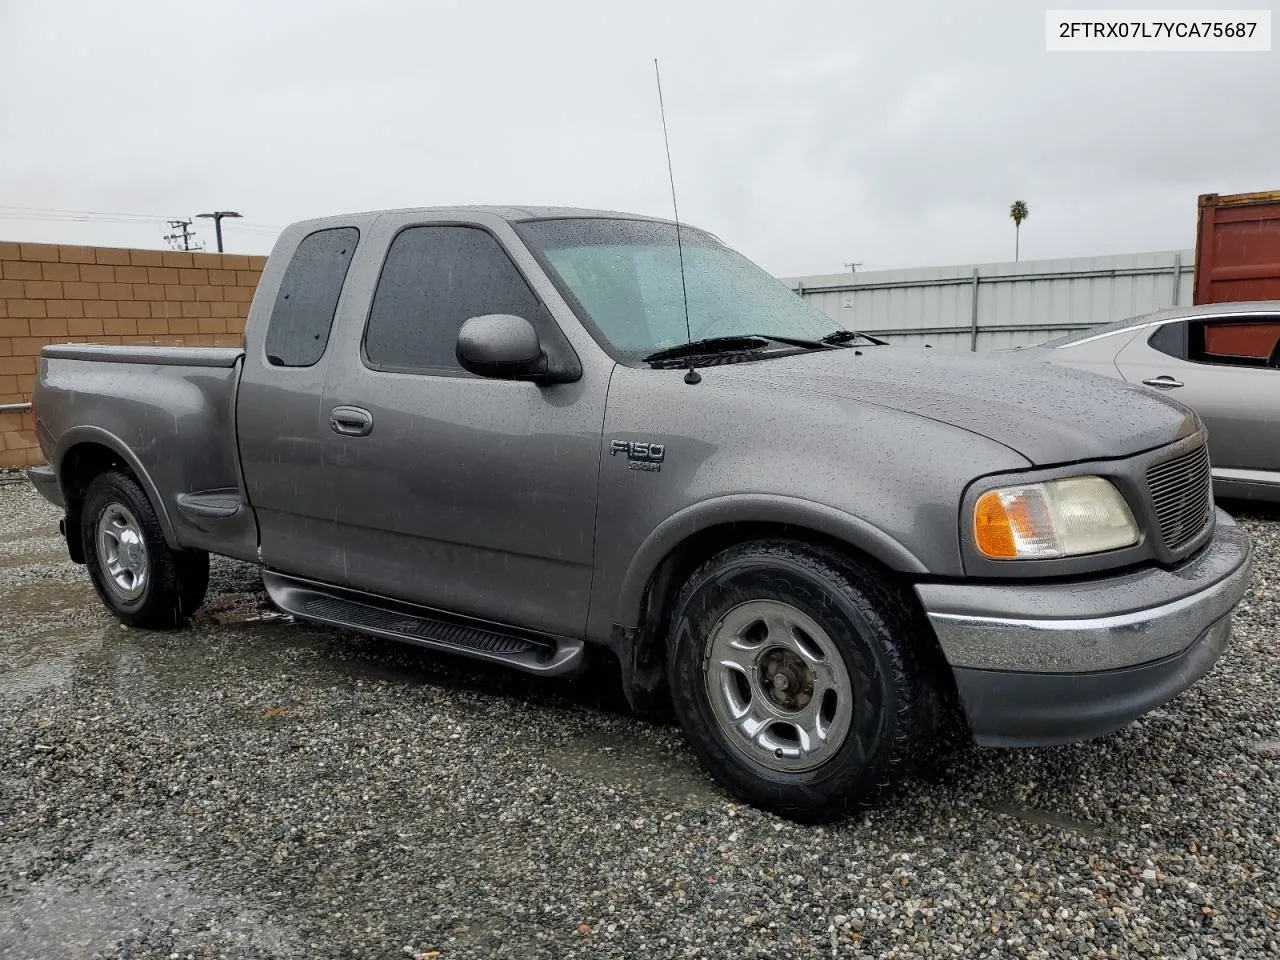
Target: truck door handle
x,y
1164,380
351,421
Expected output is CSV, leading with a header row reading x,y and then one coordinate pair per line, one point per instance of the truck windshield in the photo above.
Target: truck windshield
x,y
625,275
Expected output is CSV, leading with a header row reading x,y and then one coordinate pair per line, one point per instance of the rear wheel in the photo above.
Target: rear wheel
x,y
143,581
795,675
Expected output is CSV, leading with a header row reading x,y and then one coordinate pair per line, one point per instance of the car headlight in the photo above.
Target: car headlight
x,y
1058,518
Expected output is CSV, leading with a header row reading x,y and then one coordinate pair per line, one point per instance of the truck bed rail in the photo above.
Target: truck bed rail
x,y
166,356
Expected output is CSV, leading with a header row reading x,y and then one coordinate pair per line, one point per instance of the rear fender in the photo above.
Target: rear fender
x,y
85,433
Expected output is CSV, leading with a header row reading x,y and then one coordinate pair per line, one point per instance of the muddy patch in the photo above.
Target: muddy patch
x,y
46,627
231,609
632,764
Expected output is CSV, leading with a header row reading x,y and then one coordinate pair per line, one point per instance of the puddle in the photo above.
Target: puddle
x,y
48,598
633,765
28,681
44,628
1048,818
116,900
49,628
53,670
42,554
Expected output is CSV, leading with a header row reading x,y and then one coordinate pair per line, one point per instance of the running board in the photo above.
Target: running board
x,y
381,617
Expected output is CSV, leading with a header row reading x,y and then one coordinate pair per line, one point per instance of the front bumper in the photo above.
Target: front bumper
x,y
1038,664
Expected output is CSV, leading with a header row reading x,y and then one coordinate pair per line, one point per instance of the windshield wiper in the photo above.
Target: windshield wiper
x,y
740,343
710,345
848,336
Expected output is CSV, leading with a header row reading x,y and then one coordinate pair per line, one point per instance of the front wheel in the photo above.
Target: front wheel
x,y
796,677
140,578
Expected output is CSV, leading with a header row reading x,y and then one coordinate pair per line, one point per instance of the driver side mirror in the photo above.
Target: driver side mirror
x,y
501,345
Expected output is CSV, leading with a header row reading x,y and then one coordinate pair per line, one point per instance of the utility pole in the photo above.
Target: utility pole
x,y
182,235
216,217
853,267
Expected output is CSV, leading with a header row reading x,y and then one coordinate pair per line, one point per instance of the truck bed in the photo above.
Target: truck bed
x,y
167,412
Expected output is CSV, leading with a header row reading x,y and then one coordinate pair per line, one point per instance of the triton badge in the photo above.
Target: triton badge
x,y
640,456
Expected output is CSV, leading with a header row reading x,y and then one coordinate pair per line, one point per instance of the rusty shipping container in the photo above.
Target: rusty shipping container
x,y
1238,248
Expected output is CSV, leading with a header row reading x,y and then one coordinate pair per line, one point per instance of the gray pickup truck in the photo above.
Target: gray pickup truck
x,y
522,434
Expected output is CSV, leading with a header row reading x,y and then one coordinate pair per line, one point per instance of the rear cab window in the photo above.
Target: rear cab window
x,y
302,315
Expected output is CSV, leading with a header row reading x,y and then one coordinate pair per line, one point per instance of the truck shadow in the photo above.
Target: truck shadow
x,y
599,687
237,599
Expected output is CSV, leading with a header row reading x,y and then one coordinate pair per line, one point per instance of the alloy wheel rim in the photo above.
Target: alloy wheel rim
x,y
778,686
122,551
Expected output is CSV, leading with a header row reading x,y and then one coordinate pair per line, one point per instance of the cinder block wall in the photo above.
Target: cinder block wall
x,y
51,293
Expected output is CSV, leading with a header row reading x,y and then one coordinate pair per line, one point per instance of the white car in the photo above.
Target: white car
x,y
1221,359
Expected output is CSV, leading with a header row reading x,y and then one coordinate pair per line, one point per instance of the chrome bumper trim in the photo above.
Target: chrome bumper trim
x,y
1140,617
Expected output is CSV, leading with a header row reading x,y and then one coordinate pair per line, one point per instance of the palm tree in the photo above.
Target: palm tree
x,y
1019,212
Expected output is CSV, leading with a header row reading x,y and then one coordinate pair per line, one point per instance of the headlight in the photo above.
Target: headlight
x,y
1059,518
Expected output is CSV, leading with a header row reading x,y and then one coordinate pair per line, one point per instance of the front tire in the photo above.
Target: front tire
x,y
796,675
141,579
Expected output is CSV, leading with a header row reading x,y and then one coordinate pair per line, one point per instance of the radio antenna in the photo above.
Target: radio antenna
x,y
692,376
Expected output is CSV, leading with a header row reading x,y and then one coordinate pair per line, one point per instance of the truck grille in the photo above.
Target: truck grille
x,y
1181,494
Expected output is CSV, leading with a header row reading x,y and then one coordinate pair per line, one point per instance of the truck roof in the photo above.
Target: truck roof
x,y
515,214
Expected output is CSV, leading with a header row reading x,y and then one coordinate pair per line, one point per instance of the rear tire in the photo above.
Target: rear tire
x,y
797,677
141,579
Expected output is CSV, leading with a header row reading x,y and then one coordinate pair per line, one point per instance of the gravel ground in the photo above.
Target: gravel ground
x,y
251,787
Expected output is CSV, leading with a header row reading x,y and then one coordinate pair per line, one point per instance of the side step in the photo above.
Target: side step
x,y
422,626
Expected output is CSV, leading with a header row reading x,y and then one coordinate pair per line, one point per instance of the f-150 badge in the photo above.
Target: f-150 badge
x,y
640,455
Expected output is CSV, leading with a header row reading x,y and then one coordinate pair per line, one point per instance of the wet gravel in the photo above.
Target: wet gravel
x,y
253,787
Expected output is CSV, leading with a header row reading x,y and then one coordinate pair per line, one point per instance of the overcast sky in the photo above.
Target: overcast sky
x,y
805,134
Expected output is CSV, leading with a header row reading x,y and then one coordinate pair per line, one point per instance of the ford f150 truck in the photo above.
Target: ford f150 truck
x,y
520,434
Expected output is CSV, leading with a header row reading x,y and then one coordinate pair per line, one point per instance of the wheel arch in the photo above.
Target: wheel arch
x,y
691,537
86,452
804,518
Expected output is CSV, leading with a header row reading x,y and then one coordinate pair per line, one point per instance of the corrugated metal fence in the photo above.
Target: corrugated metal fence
x,y
993,305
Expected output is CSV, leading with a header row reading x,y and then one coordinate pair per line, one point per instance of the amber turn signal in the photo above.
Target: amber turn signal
x,y
993,527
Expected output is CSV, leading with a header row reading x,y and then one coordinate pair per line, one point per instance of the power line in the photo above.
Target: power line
x,y
45,218
49,213
257,227
8,212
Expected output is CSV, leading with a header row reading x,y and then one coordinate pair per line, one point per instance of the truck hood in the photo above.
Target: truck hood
x,y
1048,414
